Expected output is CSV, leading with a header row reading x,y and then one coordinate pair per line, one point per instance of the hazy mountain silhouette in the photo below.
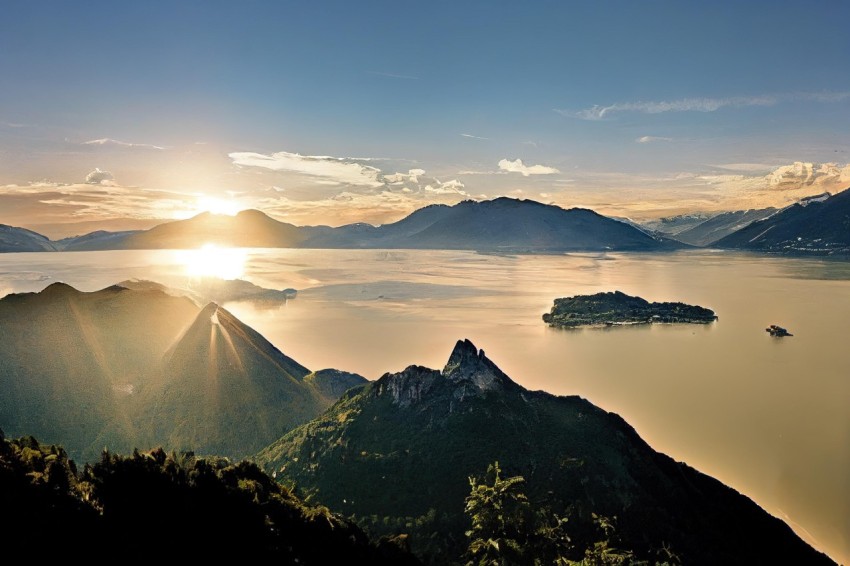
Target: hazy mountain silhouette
x,y
814,226
214,289
502,224
400,450
124,368
249,228
14,239
69,360
94,241
721,225
224,389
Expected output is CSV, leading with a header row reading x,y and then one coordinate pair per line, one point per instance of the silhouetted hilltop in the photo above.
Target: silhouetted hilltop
x,y
502,224
249,229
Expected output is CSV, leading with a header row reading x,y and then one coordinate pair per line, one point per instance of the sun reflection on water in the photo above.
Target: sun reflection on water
x,y
213,261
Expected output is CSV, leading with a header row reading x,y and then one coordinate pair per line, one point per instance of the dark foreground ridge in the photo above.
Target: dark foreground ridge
x,y
211,509
397,455
617,308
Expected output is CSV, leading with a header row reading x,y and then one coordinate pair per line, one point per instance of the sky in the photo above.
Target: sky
x,y
120,115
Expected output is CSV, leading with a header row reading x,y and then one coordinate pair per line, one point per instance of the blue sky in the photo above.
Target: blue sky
x,y
636,108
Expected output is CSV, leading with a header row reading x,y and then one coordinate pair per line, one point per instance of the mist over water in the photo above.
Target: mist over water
x,y
767,416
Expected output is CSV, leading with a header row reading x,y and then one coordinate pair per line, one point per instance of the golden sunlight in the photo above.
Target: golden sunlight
x,y
218,206
213,261
212,205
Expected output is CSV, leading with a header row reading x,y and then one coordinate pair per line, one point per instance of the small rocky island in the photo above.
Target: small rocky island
x,y
618,309
777,331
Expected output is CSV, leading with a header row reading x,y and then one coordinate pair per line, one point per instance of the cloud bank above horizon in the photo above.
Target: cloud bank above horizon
x,y
323,189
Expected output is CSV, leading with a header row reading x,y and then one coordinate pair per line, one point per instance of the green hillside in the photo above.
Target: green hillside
x,y
398,453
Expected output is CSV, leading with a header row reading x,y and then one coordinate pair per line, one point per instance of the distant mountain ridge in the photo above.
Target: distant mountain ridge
x,y
817,226
721,225
13,239
502,224
400,450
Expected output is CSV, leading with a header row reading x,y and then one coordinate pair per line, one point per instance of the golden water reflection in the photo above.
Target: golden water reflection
x,y
213,261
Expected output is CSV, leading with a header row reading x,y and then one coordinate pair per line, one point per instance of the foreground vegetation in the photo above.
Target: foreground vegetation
x,y
156,503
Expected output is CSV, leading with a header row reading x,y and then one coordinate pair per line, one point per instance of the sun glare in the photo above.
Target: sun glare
x,y
218,206
213,261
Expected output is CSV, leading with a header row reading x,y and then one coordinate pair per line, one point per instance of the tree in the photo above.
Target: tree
x,y
502,520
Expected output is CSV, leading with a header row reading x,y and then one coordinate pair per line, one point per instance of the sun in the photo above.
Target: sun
x,y
217,205
213,261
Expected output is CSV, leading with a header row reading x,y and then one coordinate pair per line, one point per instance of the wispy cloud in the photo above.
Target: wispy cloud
x,y
517,166
59,203
651,139
345,176
701,104
682,105
118,143
327,168
17,125
393,75
473,137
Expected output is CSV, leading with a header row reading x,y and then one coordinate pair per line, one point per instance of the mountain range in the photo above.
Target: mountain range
x,y
712,229
502,224
398,453
124,368
815,226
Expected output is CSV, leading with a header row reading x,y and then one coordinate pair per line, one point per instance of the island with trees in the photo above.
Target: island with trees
x,y
617,309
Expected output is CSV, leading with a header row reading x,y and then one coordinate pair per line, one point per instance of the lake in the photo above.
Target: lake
x,y
767,416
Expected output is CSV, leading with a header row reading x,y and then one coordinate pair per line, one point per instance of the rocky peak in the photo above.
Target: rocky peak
x,y
469,366
468,373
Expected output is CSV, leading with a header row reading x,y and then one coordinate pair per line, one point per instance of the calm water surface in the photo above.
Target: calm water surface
x,y
766,416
